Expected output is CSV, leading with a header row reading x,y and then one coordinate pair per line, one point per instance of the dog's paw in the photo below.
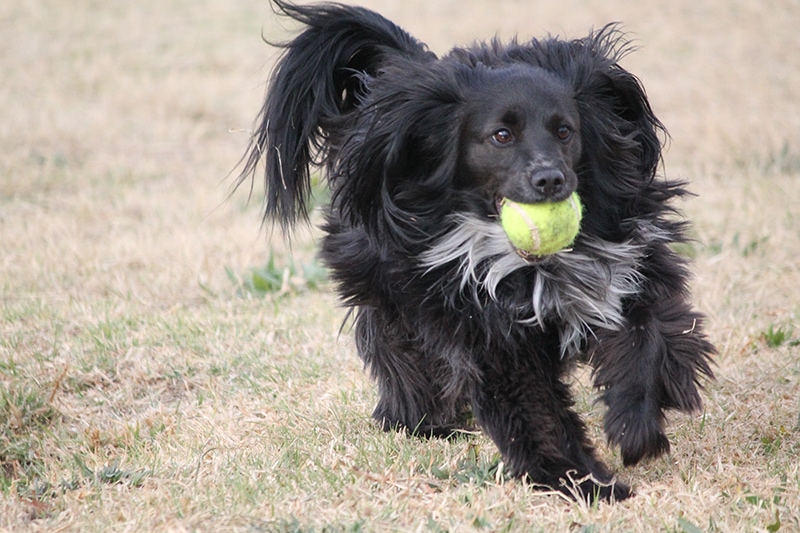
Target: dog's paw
x,y
645,446
638,430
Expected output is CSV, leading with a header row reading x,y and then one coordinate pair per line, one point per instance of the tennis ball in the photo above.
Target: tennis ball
x,y
544,228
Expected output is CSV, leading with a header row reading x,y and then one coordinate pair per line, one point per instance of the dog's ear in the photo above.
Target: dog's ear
x,y
399,175
627,102
614,100
621,135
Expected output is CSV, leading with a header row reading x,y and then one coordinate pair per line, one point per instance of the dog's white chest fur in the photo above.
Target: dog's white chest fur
x,y
579,291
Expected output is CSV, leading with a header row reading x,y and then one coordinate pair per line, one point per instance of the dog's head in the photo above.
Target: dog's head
x,y
520,138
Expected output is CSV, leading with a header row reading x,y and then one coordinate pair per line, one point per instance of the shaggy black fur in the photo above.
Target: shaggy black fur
x,y
448,317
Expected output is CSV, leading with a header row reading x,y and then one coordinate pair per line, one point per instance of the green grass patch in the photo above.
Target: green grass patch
x,y
281,278
776,336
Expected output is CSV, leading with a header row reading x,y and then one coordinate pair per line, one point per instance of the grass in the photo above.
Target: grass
x,y
167,365
282,279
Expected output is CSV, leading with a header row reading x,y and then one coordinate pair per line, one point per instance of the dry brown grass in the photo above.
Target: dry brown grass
x,y
139,390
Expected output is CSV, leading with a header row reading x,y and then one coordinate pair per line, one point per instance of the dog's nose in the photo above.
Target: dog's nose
x,y
548,182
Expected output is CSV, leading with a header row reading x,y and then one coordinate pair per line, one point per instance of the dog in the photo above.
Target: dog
x,y
451,321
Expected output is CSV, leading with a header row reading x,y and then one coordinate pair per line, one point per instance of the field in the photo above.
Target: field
x,y
168,364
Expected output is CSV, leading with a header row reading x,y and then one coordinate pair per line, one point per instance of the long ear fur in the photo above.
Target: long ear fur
x,y
317,81
621,136
398,176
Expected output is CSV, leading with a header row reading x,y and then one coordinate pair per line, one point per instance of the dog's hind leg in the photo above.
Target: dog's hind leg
x,y
412,386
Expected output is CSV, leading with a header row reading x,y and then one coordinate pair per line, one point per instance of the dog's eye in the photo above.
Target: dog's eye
x,y
564,132
502,136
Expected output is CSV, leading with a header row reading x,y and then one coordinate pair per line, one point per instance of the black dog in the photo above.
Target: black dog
x,y
449,318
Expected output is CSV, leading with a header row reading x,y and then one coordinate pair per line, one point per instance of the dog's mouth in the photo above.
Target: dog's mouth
x,y
499,200
498,203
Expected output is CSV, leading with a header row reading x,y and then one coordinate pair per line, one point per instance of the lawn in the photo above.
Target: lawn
x,y
168,363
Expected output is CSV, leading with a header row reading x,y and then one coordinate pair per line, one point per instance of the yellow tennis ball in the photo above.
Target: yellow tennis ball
x,y
544,228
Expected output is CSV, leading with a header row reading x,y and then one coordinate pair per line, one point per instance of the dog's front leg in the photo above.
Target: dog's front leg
x,y
653,363
524,407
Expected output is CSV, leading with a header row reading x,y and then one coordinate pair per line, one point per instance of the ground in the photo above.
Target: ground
x,y
165,364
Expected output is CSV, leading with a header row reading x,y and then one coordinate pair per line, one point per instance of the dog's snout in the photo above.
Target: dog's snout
x,y
548,182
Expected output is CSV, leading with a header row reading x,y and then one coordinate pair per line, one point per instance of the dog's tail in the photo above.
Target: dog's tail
x,y
319,79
